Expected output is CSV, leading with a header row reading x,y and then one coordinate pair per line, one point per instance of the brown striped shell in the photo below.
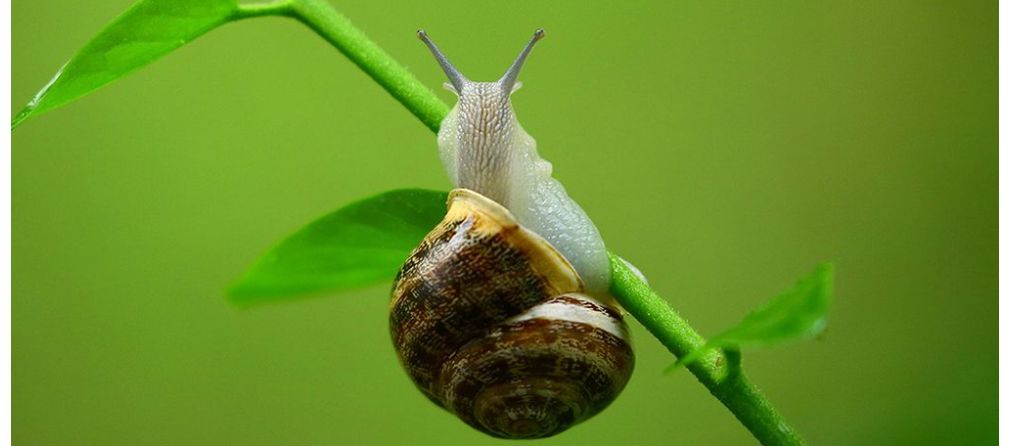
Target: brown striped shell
x,y
492,324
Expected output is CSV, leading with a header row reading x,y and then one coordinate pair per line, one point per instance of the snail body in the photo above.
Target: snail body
x,y
484,148
501,315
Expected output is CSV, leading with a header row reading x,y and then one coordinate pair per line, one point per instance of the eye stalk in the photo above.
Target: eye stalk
x,y
455,77
508,80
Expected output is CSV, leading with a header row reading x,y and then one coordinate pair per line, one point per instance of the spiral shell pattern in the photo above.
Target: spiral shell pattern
x,y
492,324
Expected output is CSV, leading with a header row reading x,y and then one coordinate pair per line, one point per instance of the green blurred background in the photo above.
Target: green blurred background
x,y
724,147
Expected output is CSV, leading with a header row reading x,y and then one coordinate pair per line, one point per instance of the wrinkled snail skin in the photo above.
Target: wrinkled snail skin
x,y
501,315
492,323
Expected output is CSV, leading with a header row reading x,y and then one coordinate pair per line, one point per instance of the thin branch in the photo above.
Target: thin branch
x,y
249,10
372,59
718,370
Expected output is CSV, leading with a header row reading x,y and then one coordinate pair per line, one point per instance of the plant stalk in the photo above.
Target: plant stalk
x,y
368,56
717,370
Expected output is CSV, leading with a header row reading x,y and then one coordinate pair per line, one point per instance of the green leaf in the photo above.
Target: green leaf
x,y
799,313
148,30
360,244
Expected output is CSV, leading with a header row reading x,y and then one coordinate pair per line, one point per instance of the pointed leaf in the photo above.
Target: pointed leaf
x,y
799,313
360,244
148,30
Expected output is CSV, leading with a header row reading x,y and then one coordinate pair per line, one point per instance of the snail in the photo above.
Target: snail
x,y
501,315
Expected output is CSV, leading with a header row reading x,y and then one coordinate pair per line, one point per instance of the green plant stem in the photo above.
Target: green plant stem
x,y
372,59
718,370
249,10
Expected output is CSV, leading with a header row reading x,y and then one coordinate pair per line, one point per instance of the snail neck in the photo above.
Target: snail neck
x,y
482,127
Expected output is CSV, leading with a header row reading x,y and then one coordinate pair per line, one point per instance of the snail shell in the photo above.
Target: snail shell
x,y
492,323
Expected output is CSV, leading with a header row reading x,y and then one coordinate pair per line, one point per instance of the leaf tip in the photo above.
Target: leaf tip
x,y
24,114
243,292
825,271
825,276
236,296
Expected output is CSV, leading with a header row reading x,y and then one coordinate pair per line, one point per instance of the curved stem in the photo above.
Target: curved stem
x,y
718,370
279,7
372,59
